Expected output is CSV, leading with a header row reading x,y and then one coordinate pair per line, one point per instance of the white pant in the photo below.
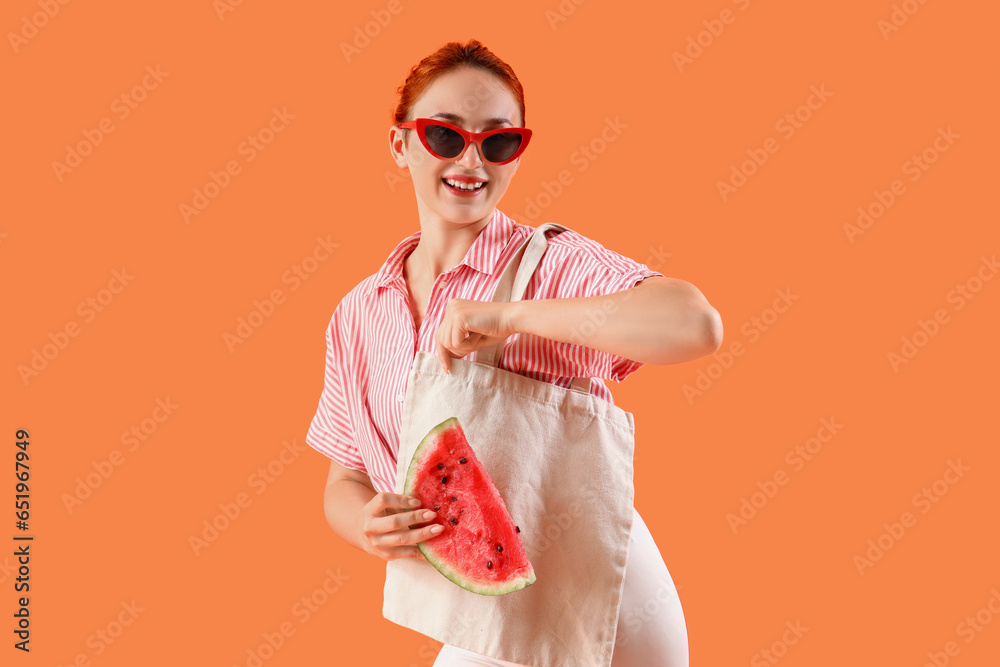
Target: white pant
x,y
651,628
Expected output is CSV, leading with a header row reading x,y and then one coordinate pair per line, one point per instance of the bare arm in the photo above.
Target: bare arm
x,y
659,321
376,523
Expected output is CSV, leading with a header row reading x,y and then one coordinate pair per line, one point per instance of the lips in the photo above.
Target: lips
x,y
464,192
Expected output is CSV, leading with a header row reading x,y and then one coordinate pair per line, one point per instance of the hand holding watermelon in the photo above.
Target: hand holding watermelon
x,y
480,548
386,521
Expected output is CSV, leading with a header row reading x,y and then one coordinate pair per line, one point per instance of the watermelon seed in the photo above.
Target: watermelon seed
x,y
489,565
461,511
499,548
517,529
454,499
444,479
454,521
437,507
440,466
462,460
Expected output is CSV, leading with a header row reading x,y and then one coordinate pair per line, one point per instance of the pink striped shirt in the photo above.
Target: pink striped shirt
x,y
371,339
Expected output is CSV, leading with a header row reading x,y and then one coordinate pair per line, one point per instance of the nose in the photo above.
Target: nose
x,y
471,156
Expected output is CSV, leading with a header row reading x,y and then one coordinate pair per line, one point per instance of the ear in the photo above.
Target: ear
x,y
397,146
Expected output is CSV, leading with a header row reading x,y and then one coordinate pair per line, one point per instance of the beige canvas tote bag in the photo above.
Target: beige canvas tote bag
x,y
562,460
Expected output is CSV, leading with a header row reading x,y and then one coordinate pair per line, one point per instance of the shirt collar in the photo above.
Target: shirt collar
x,y
482,255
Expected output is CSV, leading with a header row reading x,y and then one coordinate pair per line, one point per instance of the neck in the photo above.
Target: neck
x,y
443,244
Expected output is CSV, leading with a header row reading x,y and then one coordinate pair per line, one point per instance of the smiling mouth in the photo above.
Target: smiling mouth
x,y
464,190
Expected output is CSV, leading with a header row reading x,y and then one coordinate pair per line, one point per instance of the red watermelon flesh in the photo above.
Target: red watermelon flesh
x,y
480,548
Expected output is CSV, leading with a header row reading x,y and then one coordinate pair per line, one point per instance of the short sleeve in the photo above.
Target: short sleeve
x,y
593,270
330,432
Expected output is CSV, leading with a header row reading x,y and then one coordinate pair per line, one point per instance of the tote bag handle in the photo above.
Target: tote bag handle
x,y
514,282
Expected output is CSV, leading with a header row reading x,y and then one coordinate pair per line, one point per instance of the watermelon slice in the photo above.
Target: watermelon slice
x,y
480,548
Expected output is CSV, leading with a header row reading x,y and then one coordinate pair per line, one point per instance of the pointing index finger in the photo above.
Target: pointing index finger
x,y
445,358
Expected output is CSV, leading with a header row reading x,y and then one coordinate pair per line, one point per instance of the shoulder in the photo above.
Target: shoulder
x,y
353,305
368,296
566,240
579,249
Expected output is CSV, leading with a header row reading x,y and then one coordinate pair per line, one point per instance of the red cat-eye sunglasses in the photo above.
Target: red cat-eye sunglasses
x,y
448,142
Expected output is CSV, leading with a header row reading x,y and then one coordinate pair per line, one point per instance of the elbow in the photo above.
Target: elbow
x,y
711,330
695,327
703,335
704,329
700,335
329,503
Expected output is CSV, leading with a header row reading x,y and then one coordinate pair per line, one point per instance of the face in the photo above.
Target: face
x,y
472,99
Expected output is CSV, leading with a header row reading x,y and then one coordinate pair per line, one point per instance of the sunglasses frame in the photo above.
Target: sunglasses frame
x,y
419,124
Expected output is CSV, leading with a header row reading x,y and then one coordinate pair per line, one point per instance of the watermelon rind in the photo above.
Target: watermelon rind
x,y
423,448
469,585
427,550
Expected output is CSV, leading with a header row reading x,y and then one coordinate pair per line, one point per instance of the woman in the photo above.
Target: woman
x,y
433,294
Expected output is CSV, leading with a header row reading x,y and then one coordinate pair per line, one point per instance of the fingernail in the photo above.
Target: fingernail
x,y
414,502
437,529
428,514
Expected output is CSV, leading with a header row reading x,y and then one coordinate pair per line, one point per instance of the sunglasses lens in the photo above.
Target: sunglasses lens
x,y
499,147
445,142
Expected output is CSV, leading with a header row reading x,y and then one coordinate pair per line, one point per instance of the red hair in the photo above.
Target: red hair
x,y
448,57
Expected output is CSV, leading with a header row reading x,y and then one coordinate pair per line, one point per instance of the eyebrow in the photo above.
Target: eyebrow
x,y
456,119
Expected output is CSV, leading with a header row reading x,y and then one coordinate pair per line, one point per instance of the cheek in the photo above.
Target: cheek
x,y
420,161
501,182
426,179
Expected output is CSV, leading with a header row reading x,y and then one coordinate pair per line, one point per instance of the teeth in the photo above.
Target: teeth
x,y
463,186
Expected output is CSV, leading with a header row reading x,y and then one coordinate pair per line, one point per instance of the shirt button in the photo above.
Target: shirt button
x,y
399,397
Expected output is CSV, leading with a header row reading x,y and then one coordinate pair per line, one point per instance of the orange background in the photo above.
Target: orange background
x,y
653,189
